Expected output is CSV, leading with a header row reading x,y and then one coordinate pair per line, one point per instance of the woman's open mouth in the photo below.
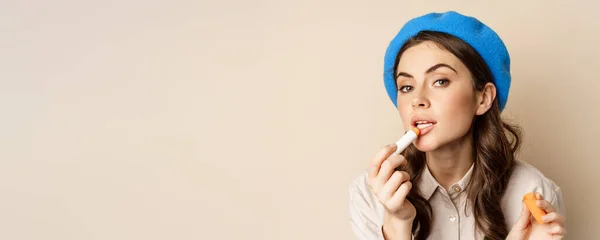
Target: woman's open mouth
x,y
425,126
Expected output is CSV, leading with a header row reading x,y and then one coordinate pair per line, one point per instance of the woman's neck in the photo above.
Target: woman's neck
x,y
448,164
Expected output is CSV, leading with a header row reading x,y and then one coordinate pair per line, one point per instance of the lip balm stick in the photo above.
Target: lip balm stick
x,y
406,140
537,212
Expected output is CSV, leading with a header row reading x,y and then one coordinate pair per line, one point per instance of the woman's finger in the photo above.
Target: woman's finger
x,y
388,167
377,160
553,217
524,219
545,205
557,230
539,196
391,186
401,194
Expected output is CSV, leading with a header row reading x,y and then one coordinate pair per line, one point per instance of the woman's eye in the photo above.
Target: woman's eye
x,y
405,89
441,82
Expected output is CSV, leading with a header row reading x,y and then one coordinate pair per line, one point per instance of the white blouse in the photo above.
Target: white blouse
x,y
451,218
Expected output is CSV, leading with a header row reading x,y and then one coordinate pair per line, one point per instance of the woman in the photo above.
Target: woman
x,y
449,75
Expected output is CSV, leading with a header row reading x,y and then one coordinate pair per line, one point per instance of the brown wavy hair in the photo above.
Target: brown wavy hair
x,y
495,143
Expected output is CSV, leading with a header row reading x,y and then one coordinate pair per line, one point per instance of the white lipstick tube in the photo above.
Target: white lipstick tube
x,y
406,140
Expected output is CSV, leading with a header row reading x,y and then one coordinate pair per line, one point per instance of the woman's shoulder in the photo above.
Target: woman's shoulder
x,y
526,178
362,198
359,190
366,213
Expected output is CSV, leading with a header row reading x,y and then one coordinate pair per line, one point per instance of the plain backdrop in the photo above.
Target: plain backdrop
x,y
239,119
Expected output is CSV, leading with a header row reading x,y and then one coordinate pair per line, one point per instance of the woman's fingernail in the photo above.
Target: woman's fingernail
x,y
545,218
539,203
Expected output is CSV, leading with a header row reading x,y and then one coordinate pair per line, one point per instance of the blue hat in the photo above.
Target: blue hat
x,y
482,38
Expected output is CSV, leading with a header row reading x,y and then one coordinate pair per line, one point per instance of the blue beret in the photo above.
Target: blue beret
x,y
482,38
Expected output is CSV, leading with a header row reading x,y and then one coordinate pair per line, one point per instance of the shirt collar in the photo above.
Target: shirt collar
x,y
428,184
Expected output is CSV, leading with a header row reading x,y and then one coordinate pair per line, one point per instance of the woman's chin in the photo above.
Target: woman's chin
x,y
425,146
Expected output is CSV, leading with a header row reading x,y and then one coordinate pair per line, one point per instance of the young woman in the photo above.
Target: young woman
x,y
449,75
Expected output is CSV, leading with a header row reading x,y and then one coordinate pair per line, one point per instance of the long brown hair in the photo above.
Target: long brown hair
x,y
495,143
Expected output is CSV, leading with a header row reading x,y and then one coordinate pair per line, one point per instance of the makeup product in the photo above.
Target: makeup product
x,y
406,140
530,201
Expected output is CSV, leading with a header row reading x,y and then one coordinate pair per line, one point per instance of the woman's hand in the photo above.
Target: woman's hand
x,y
391,186
527,228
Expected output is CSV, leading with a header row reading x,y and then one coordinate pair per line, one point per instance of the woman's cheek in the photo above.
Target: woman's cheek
x,y
404,115
458,112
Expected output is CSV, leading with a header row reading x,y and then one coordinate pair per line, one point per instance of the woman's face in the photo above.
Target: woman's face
x,y
436,95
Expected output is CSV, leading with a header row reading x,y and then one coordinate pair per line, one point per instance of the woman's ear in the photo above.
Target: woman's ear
x,y
485,98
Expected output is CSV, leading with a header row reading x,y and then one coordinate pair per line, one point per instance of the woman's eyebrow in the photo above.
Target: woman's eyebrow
x,y
404,75
431,69
439,65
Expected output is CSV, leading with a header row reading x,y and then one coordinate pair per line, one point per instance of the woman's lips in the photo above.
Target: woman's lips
x,y
425,128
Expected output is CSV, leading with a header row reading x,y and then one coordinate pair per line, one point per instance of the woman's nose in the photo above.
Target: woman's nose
x,y
420,102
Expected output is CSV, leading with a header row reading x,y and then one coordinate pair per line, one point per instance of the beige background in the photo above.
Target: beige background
x,y
247,119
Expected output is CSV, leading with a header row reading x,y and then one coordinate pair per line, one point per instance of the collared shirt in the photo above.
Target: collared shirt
x,y
452,219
